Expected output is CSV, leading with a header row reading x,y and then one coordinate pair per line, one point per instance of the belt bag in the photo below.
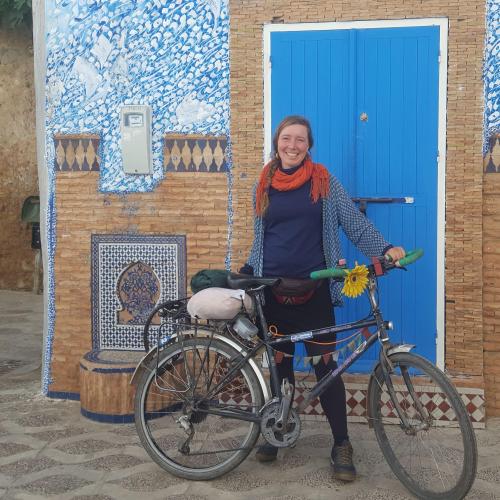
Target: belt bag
x,y
294,290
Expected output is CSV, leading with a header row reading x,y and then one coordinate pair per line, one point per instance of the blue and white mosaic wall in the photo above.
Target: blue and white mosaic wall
x,y
102,54
492,72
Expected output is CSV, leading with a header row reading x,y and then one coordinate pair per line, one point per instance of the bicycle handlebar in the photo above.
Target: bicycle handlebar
x,y
339,272
411,257
333,272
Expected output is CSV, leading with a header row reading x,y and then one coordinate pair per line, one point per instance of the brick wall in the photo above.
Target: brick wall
x,y
18,169
184,203
464,329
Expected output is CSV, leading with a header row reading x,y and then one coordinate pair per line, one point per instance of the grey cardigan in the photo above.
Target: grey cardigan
x,y
338,210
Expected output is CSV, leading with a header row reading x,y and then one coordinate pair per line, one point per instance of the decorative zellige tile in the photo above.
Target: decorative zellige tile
x,y
131,273
194,153
76,152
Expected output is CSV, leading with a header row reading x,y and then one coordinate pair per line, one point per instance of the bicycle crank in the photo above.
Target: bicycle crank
x,y
276,434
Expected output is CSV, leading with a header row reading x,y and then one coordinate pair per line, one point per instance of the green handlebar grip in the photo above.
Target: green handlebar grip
x,y
411,257
337,272
333,272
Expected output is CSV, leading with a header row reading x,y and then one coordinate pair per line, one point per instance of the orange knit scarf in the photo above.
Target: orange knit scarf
x,y
320,182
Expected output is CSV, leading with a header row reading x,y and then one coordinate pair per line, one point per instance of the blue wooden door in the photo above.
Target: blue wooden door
x,y
372,98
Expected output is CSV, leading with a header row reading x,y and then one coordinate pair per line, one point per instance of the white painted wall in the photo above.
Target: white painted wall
x,y
40,71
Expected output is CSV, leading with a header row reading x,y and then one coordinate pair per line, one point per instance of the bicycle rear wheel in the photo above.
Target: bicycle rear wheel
x,y
436,456
174,402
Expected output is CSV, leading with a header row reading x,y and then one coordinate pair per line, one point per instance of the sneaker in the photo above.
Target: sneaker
x,y
266,453
341,458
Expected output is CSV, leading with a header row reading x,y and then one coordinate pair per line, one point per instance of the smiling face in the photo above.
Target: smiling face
x,y
293,145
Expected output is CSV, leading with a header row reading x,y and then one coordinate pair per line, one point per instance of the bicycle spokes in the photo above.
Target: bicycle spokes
x,y
191,416
423,428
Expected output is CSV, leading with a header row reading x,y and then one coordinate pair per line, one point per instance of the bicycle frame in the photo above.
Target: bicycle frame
x,y
381,335
375,319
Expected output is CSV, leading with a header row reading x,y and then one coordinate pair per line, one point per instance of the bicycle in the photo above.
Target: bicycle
x,y
202,399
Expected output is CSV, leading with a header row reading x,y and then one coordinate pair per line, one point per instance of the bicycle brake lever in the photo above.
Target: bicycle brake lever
x,y
389,259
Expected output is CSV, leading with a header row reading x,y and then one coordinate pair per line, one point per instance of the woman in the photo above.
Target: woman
x,y
299,207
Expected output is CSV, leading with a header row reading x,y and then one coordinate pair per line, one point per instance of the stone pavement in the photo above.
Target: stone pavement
x,y
48,450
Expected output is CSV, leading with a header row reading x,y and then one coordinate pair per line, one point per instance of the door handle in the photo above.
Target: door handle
x,y
363,201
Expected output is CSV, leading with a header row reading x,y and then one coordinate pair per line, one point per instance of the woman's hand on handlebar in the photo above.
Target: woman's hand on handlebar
x,y
396,253
388,262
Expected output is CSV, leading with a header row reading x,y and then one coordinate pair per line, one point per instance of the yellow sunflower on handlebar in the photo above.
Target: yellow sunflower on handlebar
x,y
355,281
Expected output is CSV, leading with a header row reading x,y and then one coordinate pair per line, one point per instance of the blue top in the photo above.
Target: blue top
x,y
293,233
338,211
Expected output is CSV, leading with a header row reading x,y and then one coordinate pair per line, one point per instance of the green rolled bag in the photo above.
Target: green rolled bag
x,y
209,278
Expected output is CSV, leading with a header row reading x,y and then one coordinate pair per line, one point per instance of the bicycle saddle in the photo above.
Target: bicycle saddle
x,y
245,281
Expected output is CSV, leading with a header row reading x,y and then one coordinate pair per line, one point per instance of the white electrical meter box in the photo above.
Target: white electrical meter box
x,y
136,139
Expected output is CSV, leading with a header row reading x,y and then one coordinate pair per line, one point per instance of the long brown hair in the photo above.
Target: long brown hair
x,y
276,160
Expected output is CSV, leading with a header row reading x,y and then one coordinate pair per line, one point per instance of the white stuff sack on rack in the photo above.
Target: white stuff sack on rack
x,y
218,303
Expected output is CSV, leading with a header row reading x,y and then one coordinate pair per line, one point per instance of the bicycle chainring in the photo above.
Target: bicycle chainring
x,y
281,438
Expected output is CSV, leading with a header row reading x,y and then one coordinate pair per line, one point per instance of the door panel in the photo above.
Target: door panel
x,y
391,75
311,75
396,156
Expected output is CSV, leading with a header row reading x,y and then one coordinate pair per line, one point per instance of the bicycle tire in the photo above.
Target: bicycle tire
x,y
168,390
449,468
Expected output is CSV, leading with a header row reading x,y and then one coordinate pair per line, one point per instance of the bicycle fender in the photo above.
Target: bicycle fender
x,y
141,367
393,350
143,364
400,348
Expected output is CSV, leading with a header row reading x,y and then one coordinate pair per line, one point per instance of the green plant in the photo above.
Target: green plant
x,y
15,12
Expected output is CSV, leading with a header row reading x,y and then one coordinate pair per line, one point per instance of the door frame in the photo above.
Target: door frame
x,y
441,153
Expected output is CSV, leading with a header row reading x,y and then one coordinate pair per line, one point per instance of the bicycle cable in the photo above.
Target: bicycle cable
x,y
274,332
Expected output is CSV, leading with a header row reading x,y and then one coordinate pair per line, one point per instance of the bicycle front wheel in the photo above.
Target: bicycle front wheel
x,y
190,416
435,454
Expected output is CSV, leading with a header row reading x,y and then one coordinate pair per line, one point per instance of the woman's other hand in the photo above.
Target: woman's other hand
x,y
246,269
396,253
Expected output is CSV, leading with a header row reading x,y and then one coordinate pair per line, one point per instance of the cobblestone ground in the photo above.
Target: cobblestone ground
x,y
48,450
